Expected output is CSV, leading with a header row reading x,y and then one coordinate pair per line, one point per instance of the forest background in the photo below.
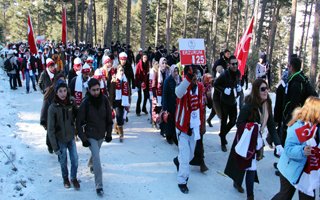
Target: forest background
x,y
282,27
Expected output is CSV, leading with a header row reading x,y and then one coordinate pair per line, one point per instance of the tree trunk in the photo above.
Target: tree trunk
x,y
307,34
168,30
76,21
259,32
129,21
246,16
215,31
82,21
143,23
117,13
185,20
229,24
303,28
238,20
292,27
255,12
198,20
108,31
95,21
89,35
157,24
315,45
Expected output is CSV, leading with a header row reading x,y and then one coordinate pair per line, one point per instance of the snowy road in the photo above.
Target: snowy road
x,y
140,168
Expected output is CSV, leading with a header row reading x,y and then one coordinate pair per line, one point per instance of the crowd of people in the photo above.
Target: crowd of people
x,y
87,94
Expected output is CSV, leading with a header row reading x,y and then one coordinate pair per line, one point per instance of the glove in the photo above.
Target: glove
x,y
86,143
58,152
227,91
239,88
108,138
279,150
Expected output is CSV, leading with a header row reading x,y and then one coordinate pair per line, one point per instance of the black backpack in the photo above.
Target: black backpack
x,y
7,65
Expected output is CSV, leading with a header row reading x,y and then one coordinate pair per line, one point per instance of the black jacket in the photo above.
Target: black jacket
x,y
223,62
94,118
32,63
172,60
71,75
228,79
44,81
128,71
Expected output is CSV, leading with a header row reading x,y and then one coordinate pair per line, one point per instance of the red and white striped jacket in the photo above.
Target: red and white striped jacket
x,y
183,108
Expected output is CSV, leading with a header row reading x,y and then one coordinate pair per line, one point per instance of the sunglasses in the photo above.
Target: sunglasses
x,y
263,89
234,64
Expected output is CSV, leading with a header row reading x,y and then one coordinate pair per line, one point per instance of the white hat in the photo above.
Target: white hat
x,y
106,59
89,59
123,56
77,61
86,68
97,73
49,62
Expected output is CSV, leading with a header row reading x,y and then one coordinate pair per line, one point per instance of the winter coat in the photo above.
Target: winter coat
x,y
278,108
294,94
61,123
245,114
44,110
44,81
130,58
33,64
183,110
142,71
94,118
169,96
71,75
292,160
172,60
228,79
128,71
223,62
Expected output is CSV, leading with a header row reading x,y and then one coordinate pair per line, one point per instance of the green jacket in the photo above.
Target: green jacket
x,y
61,123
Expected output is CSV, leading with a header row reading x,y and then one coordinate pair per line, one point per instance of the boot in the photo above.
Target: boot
x,y
203,167
115,129
120,128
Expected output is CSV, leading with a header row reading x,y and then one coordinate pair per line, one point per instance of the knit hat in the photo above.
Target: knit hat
x,y
77,62
98,74
49,62
86,68
60,83
106,59
89,60
123,56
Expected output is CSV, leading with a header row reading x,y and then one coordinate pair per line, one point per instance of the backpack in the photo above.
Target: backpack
x,y
7,65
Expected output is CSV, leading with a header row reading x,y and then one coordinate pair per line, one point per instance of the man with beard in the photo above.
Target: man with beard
x,y
94,124
228,84
79,84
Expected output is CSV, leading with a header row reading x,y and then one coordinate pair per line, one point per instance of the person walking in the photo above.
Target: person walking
x,y
61,132
94,124
256,113
189,114
142,85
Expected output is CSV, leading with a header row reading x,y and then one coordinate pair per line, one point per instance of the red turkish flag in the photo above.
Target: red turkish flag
x,y
64,26
306,132
31,41
242,49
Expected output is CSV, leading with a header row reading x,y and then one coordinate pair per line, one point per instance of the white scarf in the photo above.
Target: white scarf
x,y
79,87
122,90
195,118
51,75
151,75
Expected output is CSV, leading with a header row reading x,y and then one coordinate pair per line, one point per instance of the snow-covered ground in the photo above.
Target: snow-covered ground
x,y
140,168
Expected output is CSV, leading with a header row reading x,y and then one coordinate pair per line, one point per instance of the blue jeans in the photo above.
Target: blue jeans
x,y
33,79
71,146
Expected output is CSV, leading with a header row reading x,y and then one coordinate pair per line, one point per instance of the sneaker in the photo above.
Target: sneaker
x,y
238,187
75,184
66,183
224,148
100,192
183,188
176,162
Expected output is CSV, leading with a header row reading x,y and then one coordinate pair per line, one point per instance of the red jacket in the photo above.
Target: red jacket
x,y
142,73
183,108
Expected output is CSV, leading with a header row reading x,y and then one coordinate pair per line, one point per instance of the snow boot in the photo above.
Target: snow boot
x,y
100,192
120,128
183,188
66,183
75,184
203,167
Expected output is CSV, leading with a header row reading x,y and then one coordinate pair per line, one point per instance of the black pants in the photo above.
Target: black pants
x,y
145,98
13,80
250,177
198,158
170,130
212,114
287,191
227,111
18,79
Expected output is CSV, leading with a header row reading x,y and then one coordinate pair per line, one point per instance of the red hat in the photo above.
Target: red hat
x,y
89,60
123,56
86,68
49,62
